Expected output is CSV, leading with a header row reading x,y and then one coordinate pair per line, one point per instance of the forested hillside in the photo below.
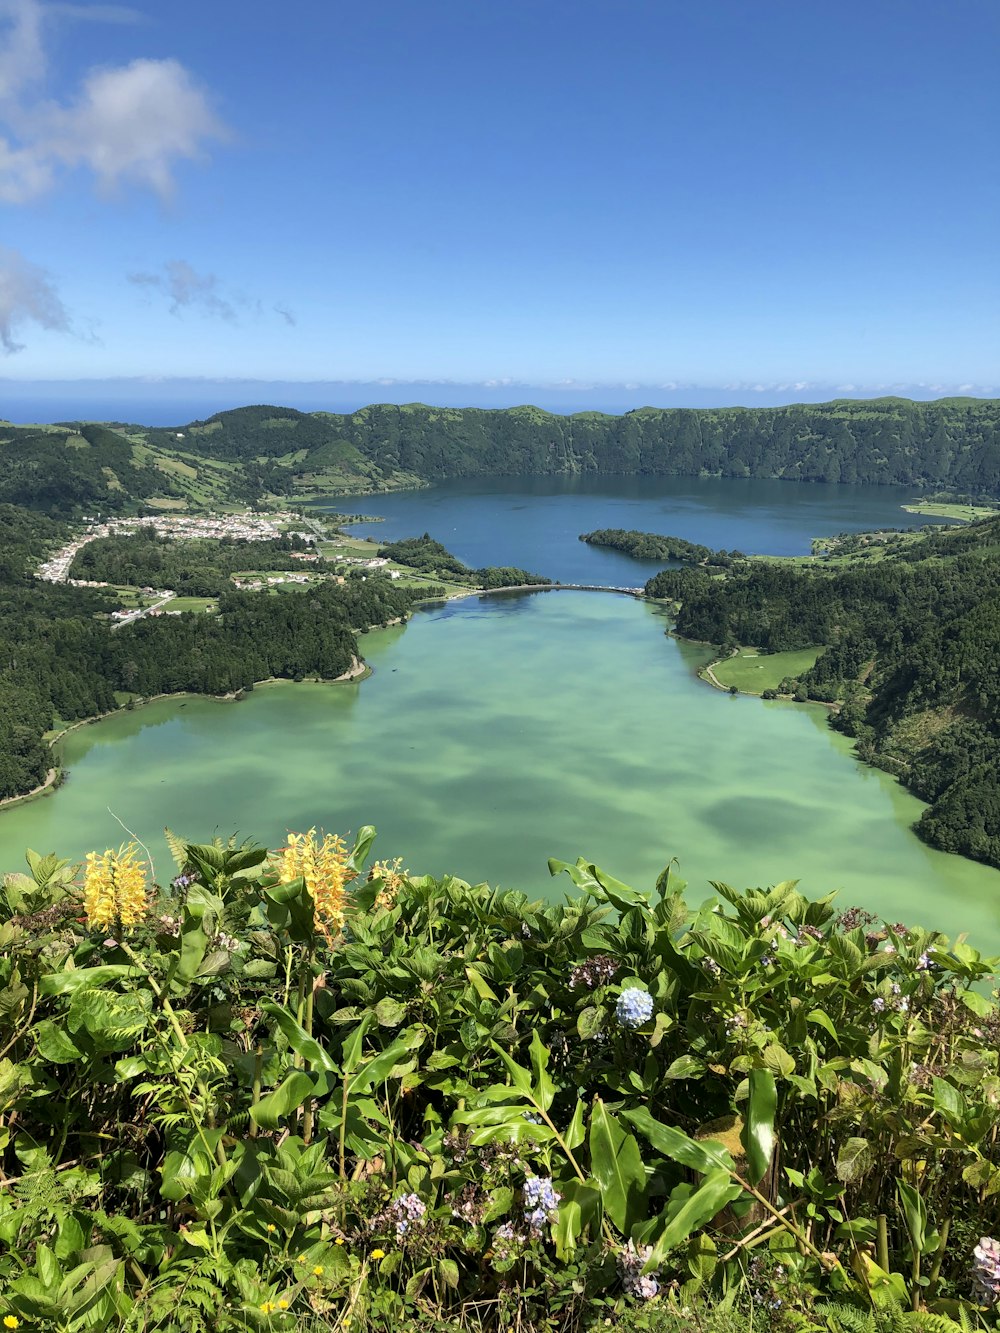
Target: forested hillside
x,y
429,557
192,568
251,453
913,657
58,662
952,442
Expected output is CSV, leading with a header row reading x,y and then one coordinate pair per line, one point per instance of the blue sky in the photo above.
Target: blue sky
x,y
610,201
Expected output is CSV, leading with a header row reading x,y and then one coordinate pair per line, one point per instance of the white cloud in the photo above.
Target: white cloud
x,y
127,124
27,296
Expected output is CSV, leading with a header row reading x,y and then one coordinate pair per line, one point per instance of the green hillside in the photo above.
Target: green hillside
x,y
912,658
263,452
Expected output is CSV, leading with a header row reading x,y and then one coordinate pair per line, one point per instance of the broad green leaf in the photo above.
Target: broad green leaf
x,y
685,1066
616,1163
702,1155
299,1040
54,1043
688,1213
854,1159
65,983
915,1213
378,1069
758,1125
278,1105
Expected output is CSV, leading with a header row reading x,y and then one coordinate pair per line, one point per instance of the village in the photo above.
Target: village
x,y
247,526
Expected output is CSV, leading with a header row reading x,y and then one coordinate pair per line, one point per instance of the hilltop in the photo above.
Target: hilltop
x,y
265,452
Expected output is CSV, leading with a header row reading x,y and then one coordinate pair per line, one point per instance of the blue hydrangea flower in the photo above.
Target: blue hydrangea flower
x,y
634,1007
538,1193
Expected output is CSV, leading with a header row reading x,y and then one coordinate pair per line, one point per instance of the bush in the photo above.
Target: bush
x,y
289,1093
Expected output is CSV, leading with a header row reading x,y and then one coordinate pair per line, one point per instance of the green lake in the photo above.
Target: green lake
x,y
497,732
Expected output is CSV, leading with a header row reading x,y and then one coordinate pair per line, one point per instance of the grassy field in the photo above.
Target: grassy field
x,y
191,604
965,513
751,673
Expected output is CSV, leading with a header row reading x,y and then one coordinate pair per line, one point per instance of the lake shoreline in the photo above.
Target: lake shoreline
x,y
58,774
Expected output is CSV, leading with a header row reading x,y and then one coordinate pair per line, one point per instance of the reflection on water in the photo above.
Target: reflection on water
x,y
497,732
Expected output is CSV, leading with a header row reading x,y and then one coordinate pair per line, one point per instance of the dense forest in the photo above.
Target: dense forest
x,y
252,453
58,662
652,546
913,657
429,557
191,568
950,443
61,472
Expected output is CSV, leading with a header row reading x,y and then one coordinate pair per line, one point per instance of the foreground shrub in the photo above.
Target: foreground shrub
x,y
276,1091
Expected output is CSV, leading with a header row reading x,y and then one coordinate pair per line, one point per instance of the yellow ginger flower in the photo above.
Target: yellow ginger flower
x,y
114,888
324,868
392,880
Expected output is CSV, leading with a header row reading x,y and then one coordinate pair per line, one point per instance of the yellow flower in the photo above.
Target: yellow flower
x,y
282,1305
378,1254
11,1321
339,1240
301,1259
324,868
114,888
318,1271
392,881
267,1307
271,1226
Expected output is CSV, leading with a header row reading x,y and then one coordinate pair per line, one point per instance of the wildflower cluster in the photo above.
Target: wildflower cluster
x,y
114,889
392,881
986,1270
631,1262
325,869
540,1199
634,1007
594,972
406,1210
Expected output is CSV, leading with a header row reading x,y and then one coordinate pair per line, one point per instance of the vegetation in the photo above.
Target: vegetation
x,y
59,663
913,658
428,556
652,546
753,673
198,568
254,454
275,1091
954,442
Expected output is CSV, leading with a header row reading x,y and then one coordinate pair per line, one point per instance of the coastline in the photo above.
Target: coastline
x,y
56,776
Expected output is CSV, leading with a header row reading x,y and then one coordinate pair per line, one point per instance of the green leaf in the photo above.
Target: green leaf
x,y
686,1213
704,1155
758,1125
65,983
544,1089
915,1214
278,1105
616,1163
685,1066
54,1043
299,1040
379,1069
589,1022
854,1159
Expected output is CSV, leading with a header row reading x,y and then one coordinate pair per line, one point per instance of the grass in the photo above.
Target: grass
x,y
753,673
941,509
191,604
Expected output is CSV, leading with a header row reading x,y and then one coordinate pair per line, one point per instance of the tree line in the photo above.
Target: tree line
x,y
60,663
912,656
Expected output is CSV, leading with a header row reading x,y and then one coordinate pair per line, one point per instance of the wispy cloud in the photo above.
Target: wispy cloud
x,y
130,123
27,296
188,289
95,13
